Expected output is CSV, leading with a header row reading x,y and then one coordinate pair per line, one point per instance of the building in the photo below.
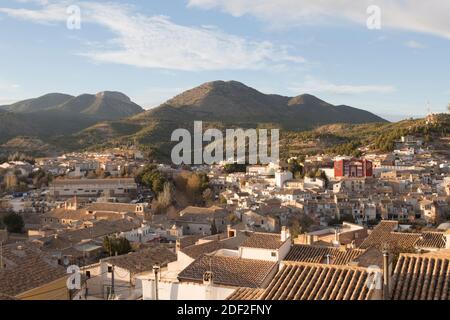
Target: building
x,y
118,188
203,221
101,284
281,177
348,168
214,269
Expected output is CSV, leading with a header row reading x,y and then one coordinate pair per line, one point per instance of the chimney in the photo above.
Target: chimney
x,y
386,276
284,234
208,278
310,239
336,234
230,232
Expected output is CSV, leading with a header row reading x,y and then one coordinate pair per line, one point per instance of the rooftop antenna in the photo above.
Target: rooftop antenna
x,y
428,107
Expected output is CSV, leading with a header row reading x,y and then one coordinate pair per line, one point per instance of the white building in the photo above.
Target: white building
x,y
281,177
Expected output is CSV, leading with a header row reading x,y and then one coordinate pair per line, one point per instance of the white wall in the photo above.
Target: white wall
x,y
184,291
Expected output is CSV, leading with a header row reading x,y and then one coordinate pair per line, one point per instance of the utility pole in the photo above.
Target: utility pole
x,y
1,254
156,271
112,282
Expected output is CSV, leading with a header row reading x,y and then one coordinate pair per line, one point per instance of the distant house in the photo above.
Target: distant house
x,y
198,220
67,188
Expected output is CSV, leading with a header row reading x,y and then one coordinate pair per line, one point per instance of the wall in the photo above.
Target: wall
x,y
184,291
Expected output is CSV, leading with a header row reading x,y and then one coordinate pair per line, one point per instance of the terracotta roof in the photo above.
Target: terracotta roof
x,y
307,253
384,237
111,206
432,240
308,281
27,267
263,241
100,229
229,271
62,182
62,213
143,260
6,297
422,277
246,294
233,243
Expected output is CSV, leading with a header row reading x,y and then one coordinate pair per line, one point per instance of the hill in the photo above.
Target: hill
x,y
219,104
60,114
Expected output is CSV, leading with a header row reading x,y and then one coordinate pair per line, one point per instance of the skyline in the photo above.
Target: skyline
x,y
154,51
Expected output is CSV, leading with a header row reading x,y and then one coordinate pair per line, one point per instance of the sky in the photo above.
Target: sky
x,y
390,57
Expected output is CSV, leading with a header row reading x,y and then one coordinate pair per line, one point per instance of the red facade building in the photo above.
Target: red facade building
x,y
353,168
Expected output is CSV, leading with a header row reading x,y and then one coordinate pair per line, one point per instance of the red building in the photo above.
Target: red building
x,y
359,168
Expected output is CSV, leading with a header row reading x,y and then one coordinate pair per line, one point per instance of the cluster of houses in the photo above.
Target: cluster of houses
x,y
365,228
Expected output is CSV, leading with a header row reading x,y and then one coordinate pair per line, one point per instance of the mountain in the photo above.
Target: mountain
x,y
219,104
61,114
37,104
234,102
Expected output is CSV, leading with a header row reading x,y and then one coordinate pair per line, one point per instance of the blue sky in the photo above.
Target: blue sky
x,y
152,50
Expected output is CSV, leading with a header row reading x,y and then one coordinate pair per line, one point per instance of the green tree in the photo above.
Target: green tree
x,y
13,222
114,245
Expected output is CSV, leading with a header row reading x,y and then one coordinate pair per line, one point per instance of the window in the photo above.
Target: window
x,y
273,254
88,274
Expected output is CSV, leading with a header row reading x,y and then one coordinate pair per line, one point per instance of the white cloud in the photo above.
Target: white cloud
x,y
414,44
413,15
157,42
313,86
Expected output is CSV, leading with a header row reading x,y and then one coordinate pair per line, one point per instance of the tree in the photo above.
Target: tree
x,y
165,197
13,222
114,245
152,178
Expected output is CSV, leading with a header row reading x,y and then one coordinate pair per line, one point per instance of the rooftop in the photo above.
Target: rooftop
x,y
27,267
263,240
309,281
315,254
229,271
143,260
422,277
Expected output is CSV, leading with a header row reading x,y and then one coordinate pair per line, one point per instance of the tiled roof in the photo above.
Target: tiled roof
x,y
246,294
422,277
111,206
432,240
229,271
233,243
384,237
308,281
307,253
100,229
62,213
143,260
62,182
196,250
263,241
27,267
6,297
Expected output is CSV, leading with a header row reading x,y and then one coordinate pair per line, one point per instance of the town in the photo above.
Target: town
x,y
330,227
